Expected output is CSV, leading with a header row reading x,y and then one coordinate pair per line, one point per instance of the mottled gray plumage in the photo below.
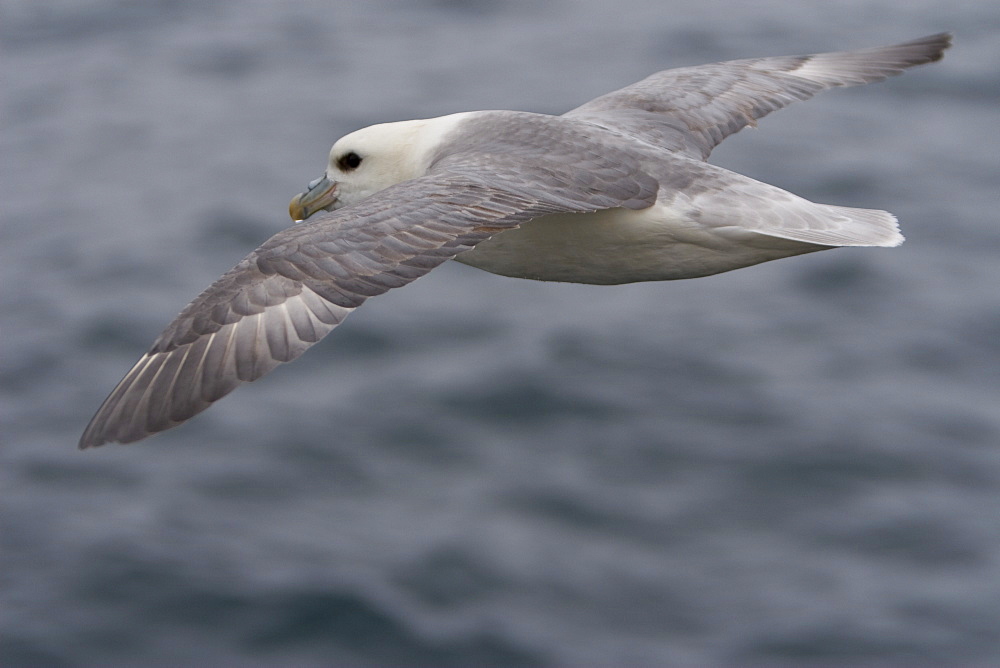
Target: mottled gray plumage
x,y
299,285
638,150
692,109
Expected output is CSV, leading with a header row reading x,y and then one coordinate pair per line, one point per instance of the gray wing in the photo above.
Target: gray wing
x,y
299,285
692,109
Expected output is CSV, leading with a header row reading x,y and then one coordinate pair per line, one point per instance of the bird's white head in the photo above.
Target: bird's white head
x,y
372,159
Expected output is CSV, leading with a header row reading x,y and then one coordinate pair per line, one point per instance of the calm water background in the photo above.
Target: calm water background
x,y
793,463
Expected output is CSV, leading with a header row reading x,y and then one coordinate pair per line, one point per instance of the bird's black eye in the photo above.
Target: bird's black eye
x,y
349,161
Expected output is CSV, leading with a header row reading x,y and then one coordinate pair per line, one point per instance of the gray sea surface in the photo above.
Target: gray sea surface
x,y
792,464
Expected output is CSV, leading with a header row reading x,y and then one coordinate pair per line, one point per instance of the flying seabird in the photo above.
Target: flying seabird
x,y
615,191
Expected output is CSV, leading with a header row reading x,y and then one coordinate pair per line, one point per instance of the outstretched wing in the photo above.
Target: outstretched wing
x,y
299,285
692,109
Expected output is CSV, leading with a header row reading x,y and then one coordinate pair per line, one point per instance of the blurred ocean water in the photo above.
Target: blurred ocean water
x,y
795,463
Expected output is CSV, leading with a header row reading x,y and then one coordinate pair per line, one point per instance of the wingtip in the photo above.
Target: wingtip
x,y
94,437
89,440
937,44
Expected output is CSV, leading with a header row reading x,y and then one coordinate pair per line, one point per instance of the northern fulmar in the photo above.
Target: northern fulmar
x,y
615,191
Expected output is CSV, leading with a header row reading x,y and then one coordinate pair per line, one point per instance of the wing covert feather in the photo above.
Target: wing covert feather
x,y
303,282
